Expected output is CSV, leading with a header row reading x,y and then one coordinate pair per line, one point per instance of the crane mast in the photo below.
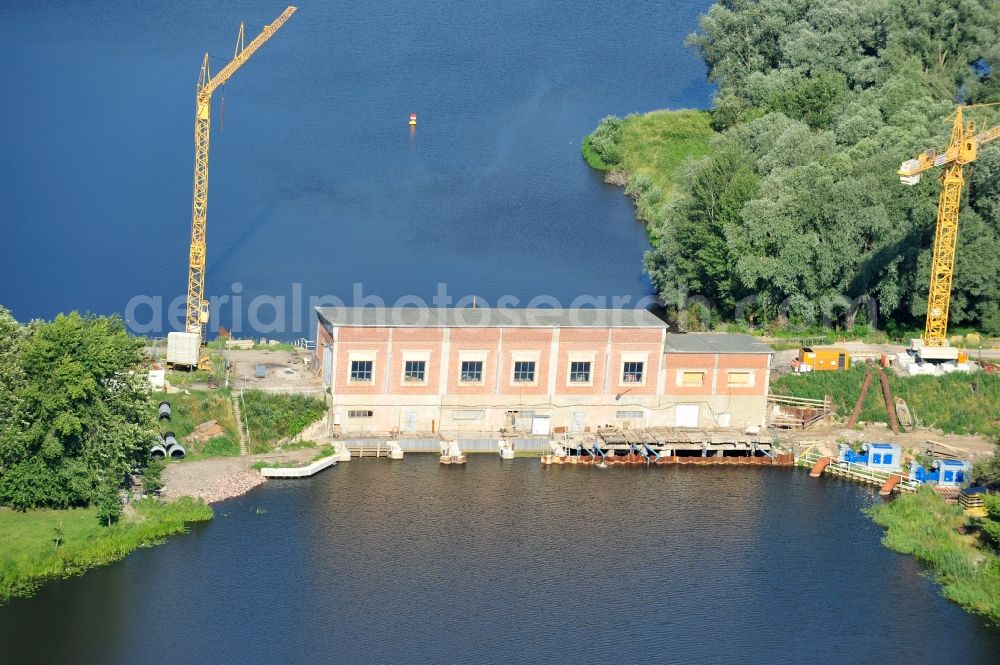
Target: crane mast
x,y
197,305
963,148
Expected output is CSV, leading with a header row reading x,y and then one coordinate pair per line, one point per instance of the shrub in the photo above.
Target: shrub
x,y
221,446
152,477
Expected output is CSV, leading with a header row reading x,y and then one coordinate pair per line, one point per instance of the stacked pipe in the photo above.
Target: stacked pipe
x,y
158,451
174,449
165,411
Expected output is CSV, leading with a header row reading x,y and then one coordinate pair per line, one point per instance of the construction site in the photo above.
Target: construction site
x,y
596,393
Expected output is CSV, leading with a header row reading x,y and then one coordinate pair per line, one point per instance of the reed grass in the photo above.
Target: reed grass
x,y
39,545
924,526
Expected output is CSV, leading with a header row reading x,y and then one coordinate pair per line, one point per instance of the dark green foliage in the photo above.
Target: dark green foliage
x,y
79,413
152,477
606,141
798,214
987,470
274,417
221,446
991,524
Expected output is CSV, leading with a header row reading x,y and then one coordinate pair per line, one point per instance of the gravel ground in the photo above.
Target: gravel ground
x,y
222,478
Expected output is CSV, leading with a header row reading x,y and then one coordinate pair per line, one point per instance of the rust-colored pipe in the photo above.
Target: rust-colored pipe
x,y
866,384
890,405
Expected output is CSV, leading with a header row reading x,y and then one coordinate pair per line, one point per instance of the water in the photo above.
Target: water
x,y
509,562
315,178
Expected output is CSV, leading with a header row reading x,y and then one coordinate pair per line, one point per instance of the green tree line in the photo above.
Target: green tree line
x,y
798,205
75,413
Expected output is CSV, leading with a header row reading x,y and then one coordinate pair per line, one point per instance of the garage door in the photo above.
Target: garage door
x,y
687,415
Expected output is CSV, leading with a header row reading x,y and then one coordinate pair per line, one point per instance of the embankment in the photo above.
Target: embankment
x,y
39,545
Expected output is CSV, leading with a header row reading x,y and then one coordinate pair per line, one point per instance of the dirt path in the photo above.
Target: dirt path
x,y
825,438
222,478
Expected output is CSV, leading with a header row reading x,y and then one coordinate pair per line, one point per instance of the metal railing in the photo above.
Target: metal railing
x,y
860,471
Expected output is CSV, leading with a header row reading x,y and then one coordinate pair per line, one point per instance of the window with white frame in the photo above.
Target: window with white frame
x,y
471,371
414,371
524,371
632,371
362,371
579,371
360,413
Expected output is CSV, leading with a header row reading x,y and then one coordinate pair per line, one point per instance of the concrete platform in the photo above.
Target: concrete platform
x,y
301,471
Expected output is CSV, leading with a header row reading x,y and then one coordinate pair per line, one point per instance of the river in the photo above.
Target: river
x,y
316,182
376,561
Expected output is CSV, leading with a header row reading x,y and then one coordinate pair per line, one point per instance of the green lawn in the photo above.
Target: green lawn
x,y
954,403
42,544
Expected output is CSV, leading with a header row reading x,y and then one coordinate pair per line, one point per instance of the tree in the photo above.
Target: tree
x,y
799,202
82,411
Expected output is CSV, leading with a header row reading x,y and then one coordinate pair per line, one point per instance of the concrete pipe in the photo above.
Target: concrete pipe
x,y
157,452
169,438
175,450
164,410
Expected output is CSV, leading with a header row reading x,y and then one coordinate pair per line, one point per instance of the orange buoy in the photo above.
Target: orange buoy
x,y
413,119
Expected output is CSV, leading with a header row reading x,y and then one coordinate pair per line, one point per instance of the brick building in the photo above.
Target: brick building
x,y
532,370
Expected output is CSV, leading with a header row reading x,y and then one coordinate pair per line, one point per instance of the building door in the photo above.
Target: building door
x,y
842,361
409,421
327,364
686,415
578,422
540,425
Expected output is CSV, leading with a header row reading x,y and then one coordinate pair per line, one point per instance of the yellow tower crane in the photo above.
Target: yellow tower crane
x,y
967,136
197,305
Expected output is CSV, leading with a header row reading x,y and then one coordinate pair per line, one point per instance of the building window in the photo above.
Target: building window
x,y
361,371
414,371
472,371
524,371
632,372
629,415
359,414
692,379
739,379
579,372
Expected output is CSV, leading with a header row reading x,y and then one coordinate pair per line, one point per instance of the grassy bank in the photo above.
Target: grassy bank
x,y
271,418
198,406
923,525
43,544
954,403
649,148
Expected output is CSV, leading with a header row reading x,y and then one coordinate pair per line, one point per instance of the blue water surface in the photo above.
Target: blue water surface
x,y
316,182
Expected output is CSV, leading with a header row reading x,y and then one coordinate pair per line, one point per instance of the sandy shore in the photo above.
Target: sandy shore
x,y
222,478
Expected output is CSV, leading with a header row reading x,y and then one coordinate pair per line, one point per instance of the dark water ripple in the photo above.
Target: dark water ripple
x,y
411,562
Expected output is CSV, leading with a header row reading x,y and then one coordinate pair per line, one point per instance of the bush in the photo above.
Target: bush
x,y
221,446
606,140
271,418
152,477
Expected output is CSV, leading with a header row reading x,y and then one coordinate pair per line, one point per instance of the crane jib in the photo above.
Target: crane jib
x,y
197,305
